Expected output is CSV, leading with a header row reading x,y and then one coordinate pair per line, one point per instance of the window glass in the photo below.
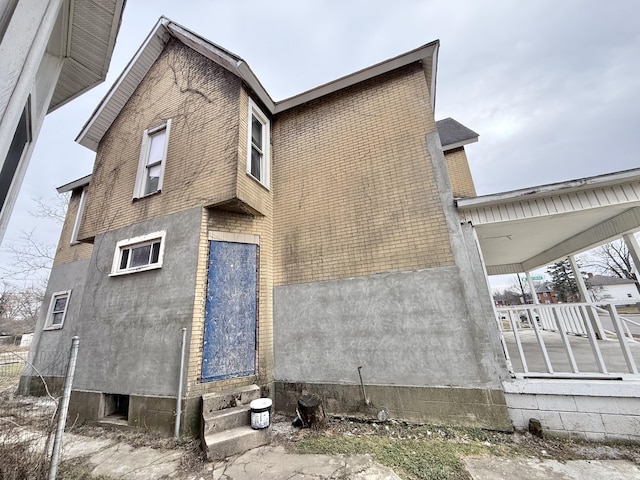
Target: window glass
x,y
156,150
140,256
140,253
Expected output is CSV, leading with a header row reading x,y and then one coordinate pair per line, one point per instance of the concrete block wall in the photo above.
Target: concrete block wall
x,y
202,100
594,410
462,184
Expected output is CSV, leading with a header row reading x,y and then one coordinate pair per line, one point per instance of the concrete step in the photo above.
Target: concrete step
x,y
212,402
221,445
220,420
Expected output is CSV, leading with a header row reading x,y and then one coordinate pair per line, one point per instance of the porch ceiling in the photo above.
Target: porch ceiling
x,y
525,229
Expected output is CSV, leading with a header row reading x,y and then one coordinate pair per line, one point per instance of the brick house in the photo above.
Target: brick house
x,y
296,241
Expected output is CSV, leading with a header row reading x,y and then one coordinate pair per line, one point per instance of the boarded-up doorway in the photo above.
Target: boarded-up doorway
x,y
230,314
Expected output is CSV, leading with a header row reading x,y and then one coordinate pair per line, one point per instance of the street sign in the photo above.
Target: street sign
x,y
534,278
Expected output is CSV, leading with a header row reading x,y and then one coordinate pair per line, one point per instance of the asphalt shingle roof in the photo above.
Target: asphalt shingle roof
x,y
452,132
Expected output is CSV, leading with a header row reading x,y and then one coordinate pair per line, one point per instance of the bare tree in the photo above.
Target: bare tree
x,y
20,307
31,257
613,259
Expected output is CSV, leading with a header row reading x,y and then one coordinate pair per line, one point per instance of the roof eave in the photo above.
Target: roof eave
x,y
139,65
421,54
462,143
550,189
79,183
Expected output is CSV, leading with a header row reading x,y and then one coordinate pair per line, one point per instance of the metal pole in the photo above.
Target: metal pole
x,y
63,408
176,433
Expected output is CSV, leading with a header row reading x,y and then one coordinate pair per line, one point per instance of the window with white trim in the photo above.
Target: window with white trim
x,y
258,145
139,254
153,156
76,225
57,310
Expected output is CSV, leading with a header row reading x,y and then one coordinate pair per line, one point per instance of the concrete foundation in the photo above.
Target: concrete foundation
x,y
594,410
474,407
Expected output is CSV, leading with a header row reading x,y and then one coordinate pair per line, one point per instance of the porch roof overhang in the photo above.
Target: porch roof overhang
x,y
85,37
522,230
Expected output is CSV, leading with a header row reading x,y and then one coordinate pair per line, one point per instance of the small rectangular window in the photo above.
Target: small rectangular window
x,y
153,156
258,145
139,254
57,310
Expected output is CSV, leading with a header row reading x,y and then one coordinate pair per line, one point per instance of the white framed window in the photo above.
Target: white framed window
x,y
258,145
139,254
76,225
153,156
57,310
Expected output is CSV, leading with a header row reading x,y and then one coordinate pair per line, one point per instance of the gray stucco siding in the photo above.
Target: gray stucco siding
x,y
49,350
403,328
131,332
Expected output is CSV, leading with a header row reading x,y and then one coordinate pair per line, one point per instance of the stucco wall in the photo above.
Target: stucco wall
x,y
130,325
405,328
49,350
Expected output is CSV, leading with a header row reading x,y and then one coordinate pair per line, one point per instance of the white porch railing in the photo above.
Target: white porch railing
x,y
568,341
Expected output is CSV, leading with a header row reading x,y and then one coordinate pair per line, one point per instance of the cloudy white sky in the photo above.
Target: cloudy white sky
x,y
551,86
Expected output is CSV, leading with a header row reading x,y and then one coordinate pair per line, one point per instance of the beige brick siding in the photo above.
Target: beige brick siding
x,y
354,188
201,99
459,173
216,220
229,222
65,252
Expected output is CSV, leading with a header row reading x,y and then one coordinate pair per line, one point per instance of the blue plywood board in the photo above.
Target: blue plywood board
x,y
229,348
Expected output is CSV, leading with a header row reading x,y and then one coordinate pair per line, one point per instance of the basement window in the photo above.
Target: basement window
x,y
139,254
116,407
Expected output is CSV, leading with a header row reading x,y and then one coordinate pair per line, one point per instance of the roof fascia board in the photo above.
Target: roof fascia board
x,y
625,176
419,54
446,148
81,182
434,74
156,34
226,59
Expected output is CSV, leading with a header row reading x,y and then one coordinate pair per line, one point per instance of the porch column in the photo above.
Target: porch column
x,y
532,289
584,294
632,245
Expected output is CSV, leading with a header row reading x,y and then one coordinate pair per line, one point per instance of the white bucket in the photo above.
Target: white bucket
x,y
260,412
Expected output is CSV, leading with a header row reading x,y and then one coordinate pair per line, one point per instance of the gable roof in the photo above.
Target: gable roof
x,y
165,29
453,134
69,187
598,280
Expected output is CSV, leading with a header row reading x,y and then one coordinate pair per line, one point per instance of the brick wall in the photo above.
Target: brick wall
x,y
65,252
201,99
232,223
354,188
459,173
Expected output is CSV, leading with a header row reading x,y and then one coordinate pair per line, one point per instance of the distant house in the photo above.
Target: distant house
x,y
612,289
51,51
545,293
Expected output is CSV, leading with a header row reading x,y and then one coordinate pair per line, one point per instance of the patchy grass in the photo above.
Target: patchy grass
x,y
413,452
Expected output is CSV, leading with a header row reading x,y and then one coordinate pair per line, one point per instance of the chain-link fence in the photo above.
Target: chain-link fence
x,y
29,396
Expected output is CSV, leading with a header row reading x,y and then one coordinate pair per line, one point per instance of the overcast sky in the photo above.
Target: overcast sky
x,y
551,86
